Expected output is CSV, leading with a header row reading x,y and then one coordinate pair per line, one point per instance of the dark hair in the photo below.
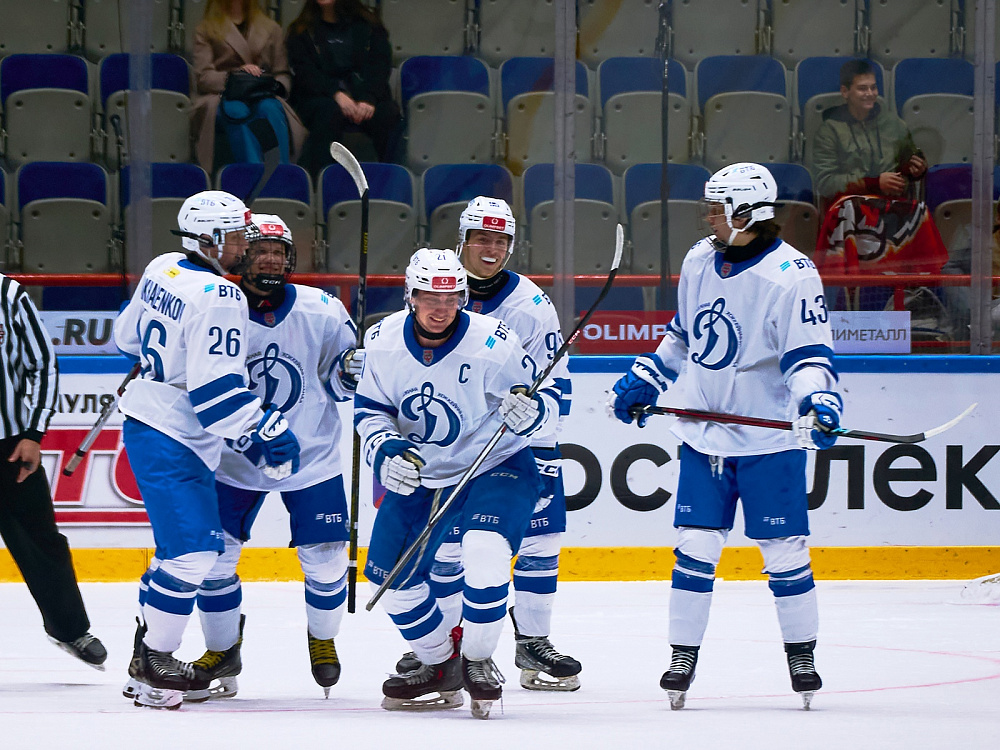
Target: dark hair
x,y
348,10
852,69
768,229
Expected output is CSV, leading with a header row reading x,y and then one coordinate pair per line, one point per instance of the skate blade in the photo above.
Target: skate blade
x,y
131,689
807,699
326,692
677,699
481,708
227,687
66,647
151,697
439,702
532,679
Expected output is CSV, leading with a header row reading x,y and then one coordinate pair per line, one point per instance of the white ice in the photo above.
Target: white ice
x,y
903,666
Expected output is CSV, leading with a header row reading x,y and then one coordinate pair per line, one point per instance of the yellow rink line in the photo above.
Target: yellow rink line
x,y
600,563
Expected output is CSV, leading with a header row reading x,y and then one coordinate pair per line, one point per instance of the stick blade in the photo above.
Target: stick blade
x,y
619,244
345,158
952,423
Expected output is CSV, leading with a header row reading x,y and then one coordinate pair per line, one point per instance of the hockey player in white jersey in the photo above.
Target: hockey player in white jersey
x,y
485,243
437,385
752,329
187,324
301,359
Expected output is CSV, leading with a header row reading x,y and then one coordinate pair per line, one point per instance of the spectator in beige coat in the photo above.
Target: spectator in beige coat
x,y
236,35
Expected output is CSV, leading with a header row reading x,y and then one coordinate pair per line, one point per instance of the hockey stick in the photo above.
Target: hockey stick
x,y
774,424
467,476
106,412
268,141
346,159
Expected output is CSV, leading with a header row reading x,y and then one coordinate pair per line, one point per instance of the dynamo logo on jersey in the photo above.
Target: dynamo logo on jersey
x,y
436,422
719,334
275,378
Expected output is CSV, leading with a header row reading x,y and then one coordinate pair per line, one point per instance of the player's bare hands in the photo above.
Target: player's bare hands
x,y
891,183
29,453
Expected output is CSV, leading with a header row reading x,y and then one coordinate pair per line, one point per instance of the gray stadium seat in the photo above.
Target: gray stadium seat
x,y
425,27
617,28
170,185
37,26
953,219
909,28
192,11
799,225
703,28
934,98
811,28
106,26
516,28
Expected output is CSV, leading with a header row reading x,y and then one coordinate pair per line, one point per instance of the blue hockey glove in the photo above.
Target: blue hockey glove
x,y
397,465
521,413
271,445
640,386
350,365
819,415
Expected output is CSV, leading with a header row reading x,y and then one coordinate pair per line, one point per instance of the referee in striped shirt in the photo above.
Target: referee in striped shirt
x,y
29,391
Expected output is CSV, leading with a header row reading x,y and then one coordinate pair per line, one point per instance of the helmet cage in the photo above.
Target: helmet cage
x,y
265,230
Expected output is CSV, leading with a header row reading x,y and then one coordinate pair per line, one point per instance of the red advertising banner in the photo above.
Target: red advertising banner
x,y
624,331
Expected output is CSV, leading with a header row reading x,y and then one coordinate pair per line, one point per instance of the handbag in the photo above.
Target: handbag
x,y
249,89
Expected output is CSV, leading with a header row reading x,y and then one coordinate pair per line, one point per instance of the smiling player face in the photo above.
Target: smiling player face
x,y
435,311
484,252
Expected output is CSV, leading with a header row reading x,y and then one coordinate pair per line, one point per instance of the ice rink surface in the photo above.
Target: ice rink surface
x,y
904,665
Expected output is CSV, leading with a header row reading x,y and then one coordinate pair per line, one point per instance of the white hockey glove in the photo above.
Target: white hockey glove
x,y
271,446
819,416
397,465
350,365
521,413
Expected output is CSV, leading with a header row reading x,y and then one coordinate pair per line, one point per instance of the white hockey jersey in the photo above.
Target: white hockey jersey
x,y
292,356
743,329
444,400
523,306
187,325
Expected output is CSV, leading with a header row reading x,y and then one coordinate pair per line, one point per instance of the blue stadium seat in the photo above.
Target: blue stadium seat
x,y
170,185
448,188
797,215
631,92
744,107
37,90
392,217
449,111
595,216
934,98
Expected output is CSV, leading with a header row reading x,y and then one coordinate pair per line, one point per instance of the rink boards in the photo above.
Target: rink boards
x,y
930,510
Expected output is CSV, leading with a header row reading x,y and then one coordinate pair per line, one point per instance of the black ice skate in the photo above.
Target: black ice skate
x,y
162,679
131,689
679,676
86,648
482,680
220,666
536,655
408,662
802,668
325,663
430,687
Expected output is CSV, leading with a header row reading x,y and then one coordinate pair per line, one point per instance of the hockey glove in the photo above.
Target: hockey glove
x,y
521,413
397,465
640,386
819,416
271,446
350,365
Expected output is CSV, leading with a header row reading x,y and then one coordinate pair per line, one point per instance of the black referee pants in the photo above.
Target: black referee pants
x,y
28,528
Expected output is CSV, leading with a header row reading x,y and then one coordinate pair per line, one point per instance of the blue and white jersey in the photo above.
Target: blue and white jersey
x,y
743,329
444,400
187,325
292,354
523,306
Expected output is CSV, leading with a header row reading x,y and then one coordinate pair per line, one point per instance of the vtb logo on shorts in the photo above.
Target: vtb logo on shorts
x,y
720,332
435,420
494,223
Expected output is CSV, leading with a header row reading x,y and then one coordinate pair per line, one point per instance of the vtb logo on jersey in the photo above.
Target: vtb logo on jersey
x,y
719,334
276,378
494,223
435,420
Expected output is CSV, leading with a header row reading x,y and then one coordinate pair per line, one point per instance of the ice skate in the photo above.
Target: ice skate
x,y
679,676
217,666
325,663
802,669
162,679
408,662
542,666
483,682
131,689
86,648
430,687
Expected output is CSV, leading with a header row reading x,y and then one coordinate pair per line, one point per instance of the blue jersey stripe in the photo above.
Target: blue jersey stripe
x,y
215,388
367,404
812,351
225,409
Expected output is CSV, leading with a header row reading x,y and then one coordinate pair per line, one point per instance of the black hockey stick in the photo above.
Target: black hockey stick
x,y
467,476
346,159
268,141
106,412
775,424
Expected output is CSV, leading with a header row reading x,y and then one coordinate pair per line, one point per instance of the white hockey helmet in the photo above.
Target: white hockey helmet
x,y
491,214
746,191
206,217
438,271
266,228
